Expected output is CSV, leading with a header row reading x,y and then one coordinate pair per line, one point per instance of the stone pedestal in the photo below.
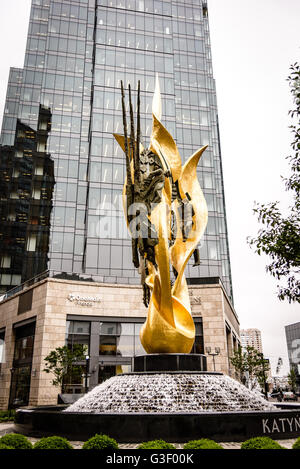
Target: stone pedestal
x,y
167,362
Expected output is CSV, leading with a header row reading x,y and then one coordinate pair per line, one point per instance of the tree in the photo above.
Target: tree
x,y
251,366
238,361
280,239
262,373
62,363
292,379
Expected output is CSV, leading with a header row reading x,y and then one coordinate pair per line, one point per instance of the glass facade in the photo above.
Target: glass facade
x,y
292,333
120,339
67,101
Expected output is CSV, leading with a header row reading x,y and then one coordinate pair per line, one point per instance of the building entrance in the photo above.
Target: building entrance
x,y
22,362
20,386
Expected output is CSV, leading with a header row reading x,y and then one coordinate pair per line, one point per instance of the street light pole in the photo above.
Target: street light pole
x,y
213,354
87,363
264,369
265,379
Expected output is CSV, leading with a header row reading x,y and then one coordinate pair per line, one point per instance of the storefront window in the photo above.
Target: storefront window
x,y
74,381
109,336
21,370
126,340
24,348
78,332
121,339
20,386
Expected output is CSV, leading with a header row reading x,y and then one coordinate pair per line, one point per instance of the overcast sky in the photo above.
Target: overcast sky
x,y
253,44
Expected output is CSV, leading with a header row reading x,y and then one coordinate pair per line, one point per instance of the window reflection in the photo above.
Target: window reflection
x,y
120,339
27,182
78,333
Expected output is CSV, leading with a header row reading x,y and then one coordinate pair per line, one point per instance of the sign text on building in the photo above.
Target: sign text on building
x,y
83,300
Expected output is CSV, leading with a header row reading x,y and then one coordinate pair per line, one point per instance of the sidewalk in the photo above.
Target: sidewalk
x,y
8,427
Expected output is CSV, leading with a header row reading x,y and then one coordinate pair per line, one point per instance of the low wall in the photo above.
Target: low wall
x,y
131,428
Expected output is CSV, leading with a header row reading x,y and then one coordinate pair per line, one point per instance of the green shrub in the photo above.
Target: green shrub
x,y
202,444
156,444
296,445
7,415
100,442
5,447
16,441
261,442
53,442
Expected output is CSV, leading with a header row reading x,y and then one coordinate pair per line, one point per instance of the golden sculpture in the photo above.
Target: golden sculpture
x,y
166,214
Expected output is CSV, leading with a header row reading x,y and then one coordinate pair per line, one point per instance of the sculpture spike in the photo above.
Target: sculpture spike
x,y
138,132
128,169
132,132
156,102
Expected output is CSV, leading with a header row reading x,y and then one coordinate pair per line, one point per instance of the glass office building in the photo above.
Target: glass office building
x,y
62,172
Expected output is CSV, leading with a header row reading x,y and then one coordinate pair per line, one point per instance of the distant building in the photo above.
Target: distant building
x,y
251,338
280,382
292,333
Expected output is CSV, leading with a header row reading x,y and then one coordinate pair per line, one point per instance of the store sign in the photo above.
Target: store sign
x,y
83,300
195,300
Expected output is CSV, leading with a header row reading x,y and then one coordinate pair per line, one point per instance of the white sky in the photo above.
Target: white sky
x,y
253,44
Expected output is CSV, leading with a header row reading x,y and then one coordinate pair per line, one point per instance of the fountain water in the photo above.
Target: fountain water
x,y
170,392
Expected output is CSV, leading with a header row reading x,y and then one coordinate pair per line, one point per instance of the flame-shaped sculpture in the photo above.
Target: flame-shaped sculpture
x,y
166,214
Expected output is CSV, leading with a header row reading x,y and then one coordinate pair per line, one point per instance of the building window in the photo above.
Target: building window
x,y
120,339
5,262
21,370
31,240
78,333
109,337
25,302
24,348
2,348
198,346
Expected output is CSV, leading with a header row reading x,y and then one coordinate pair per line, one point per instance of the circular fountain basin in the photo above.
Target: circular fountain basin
x,y
175,406
135,428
